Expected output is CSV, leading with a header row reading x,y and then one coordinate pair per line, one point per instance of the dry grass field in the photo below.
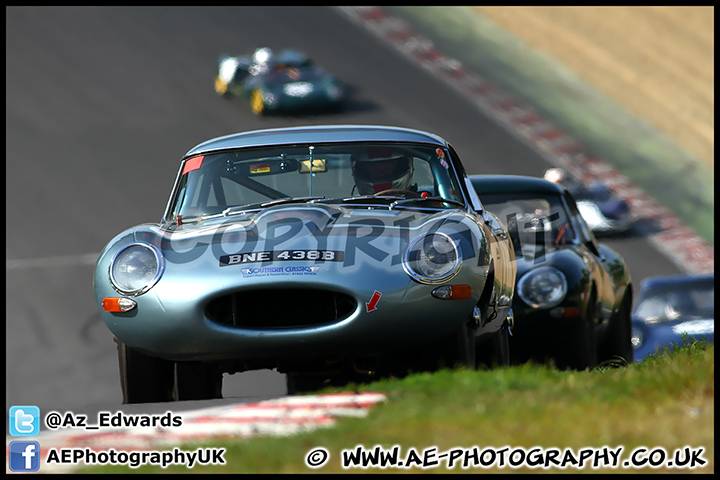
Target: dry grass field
x,y
656,61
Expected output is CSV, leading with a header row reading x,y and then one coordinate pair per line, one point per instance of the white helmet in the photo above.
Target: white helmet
x,y
381,168
556,175
262,56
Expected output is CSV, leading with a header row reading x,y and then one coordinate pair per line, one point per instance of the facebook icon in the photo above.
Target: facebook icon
x,y
24,456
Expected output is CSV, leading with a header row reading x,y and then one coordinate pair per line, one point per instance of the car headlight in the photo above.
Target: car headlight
x,y
542,287
637,337
136,268
432,258
227,69
269,98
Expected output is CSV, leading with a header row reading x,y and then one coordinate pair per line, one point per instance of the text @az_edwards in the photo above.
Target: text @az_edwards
x,y
56,420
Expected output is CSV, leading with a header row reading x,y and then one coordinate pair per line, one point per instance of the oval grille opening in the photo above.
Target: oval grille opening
x,y
281,308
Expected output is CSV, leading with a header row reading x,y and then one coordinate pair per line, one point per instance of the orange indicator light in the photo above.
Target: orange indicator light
x,y
461,292
121,304
453,292
571,312
565,312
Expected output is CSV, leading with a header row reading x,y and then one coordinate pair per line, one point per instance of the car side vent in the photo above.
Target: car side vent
x,y
282,308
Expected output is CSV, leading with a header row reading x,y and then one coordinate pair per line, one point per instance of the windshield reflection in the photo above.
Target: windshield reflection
x,y
356,174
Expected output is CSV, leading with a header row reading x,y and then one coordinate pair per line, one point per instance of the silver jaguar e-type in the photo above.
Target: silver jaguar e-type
x,y
329,253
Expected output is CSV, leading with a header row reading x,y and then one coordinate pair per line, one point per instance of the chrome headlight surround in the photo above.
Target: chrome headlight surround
x,y
136,268
542,287
432,258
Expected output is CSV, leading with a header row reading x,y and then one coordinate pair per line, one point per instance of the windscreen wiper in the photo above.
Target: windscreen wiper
x,y
362,198
404,201
260,205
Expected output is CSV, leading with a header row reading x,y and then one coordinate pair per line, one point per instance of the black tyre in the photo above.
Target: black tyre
x,y
618,343
144,379
494,352
458,350
298,383
257,103
221,88
197,381
581,351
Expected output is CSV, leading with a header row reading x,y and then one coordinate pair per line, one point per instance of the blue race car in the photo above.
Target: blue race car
x,y
669,307
328,253
603,211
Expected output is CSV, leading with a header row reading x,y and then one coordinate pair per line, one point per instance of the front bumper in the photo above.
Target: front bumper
x,y
540,332
190,321
313,101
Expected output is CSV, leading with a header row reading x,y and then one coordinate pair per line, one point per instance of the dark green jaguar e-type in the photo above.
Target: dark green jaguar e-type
x,y
288,82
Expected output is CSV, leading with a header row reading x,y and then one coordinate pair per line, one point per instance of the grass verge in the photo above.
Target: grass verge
x,y
666,401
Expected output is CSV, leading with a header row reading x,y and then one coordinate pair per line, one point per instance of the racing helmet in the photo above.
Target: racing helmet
x,y
262,56
534,221
556,175
381,168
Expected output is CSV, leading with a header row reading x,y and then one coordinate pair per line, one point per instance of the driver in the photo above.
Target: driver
x,y
262,59
564,178
262,56
382,168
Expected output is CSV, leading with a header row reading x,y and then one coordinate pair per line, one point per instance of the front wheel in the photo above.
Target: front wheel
x,y
458,350
495,352
220,87
143,378
581,351
257,103
618,343
303,383
197,381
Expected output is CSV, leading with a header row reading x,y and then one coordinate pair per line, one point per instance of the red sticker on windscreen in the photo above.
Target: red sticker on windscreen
x,y
193,164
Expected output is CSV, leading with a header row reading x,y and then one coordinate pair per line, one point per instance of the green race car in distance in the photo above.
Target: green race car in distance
x,y
329,253
574,296
288,82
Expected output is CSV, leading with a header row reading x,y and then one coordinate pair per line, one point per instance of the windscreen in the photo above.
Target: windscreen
x,y
252,178
536,223
676,301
